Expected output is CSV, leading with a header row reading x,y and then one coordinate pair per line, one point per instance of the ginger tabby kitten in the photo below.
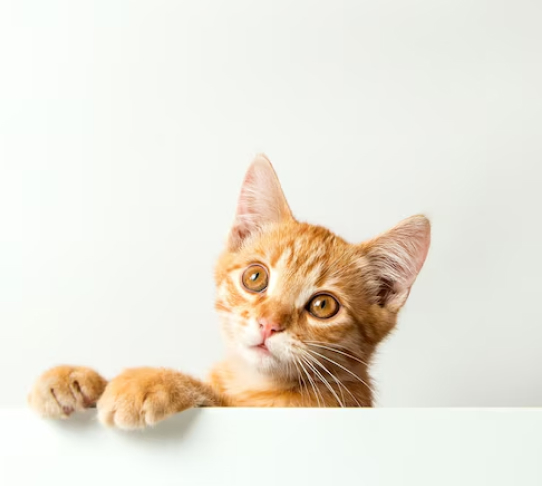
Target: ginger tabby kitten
x,y
302,312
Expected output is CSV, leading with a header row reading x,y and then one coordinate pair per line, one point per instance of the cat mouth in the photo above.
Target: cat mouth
x,y
262,348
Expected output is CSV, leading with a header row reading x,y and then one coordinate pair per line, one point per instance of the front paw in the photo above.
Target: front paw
x,y
143,396
65,389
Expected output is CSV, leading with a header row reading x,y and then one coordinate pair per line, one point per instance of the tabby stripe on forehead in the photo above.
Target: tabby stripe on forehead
x,y
282,254
314,261
281,251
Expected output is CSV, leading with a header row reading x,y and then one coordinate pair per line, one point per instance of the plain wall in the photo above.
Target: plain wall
x,y
126,128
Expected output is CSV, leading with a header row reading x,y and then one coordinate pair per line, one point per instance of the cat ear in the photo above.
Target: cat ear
x,y
395,259
261,202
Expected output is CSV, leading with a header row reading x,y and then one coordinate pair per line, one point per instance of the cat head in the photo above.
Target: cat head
x,y
288,290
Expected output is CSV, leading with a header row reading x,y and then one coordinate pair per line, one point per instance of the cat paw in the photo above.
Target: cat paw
x,y
141,397
62,390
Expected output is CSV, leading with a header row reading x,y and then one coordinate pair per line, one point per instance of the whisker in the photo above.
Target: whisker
x,y
339,382
340,401
324,381
299,379
337,351
311,382
345,369
337,345
289,369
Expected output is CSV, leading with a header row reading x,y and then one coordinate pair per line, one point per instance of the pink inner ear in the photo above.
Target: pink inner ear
x,y
397,256
245,199
261,201
249,178
242,206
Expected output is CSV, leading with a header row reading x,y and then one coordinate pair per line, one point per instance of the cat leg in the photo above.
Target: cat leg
x,y
141,397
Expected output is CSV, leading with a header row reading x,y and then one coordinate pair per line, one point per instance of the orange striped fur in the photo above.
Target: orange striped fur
x,y
305,337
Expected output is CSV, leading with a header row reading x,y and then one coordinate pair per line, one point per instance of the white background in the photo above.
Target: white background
x,y
126,128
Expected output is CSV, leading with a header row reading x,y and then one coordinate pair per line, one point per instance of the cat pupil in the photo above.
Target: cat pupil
x,y
255,276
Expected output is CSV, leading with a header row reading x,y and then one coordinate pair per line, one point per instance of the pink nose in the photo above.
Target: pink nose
x,y
269,327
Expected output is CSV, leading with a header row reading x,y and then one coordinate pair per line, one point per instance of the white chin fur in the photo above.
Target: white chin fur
x,y
277,361
243,340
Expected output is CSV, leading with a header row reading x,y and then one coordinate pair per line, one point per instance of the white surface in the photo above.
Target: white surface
x,y
269,447
126,127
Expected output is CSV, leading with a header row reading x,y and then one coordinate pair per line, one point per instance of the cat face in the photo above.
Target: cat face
x,y
296,299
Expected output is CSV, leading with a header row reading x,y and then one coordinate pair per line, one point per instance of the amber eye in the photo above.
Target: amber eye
x,y
255,278
323,306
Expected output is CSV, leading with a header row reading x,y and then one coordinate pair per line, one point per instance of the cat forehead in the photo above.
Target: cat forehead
x,y
297,246
303,256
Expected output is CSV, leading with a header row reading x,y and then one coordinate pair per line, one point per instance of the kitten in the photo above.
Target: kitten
x,y
302,313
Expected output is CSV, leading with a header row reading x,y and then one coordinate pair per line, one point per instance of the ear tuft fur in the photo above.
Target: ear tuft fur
x,y
261,202
395,259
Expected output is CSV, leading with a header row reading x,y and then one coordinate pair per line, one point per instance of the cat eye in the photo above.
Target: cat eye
x,y
255,278
323,306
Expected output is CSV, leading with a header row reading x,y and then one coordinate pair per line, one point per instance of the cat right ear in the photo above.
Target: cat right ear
x,y
395,259
261,202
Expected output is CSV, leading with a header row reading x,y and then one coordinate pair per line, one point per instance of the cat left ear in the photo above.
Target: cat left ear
x,y
395,258
261,202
